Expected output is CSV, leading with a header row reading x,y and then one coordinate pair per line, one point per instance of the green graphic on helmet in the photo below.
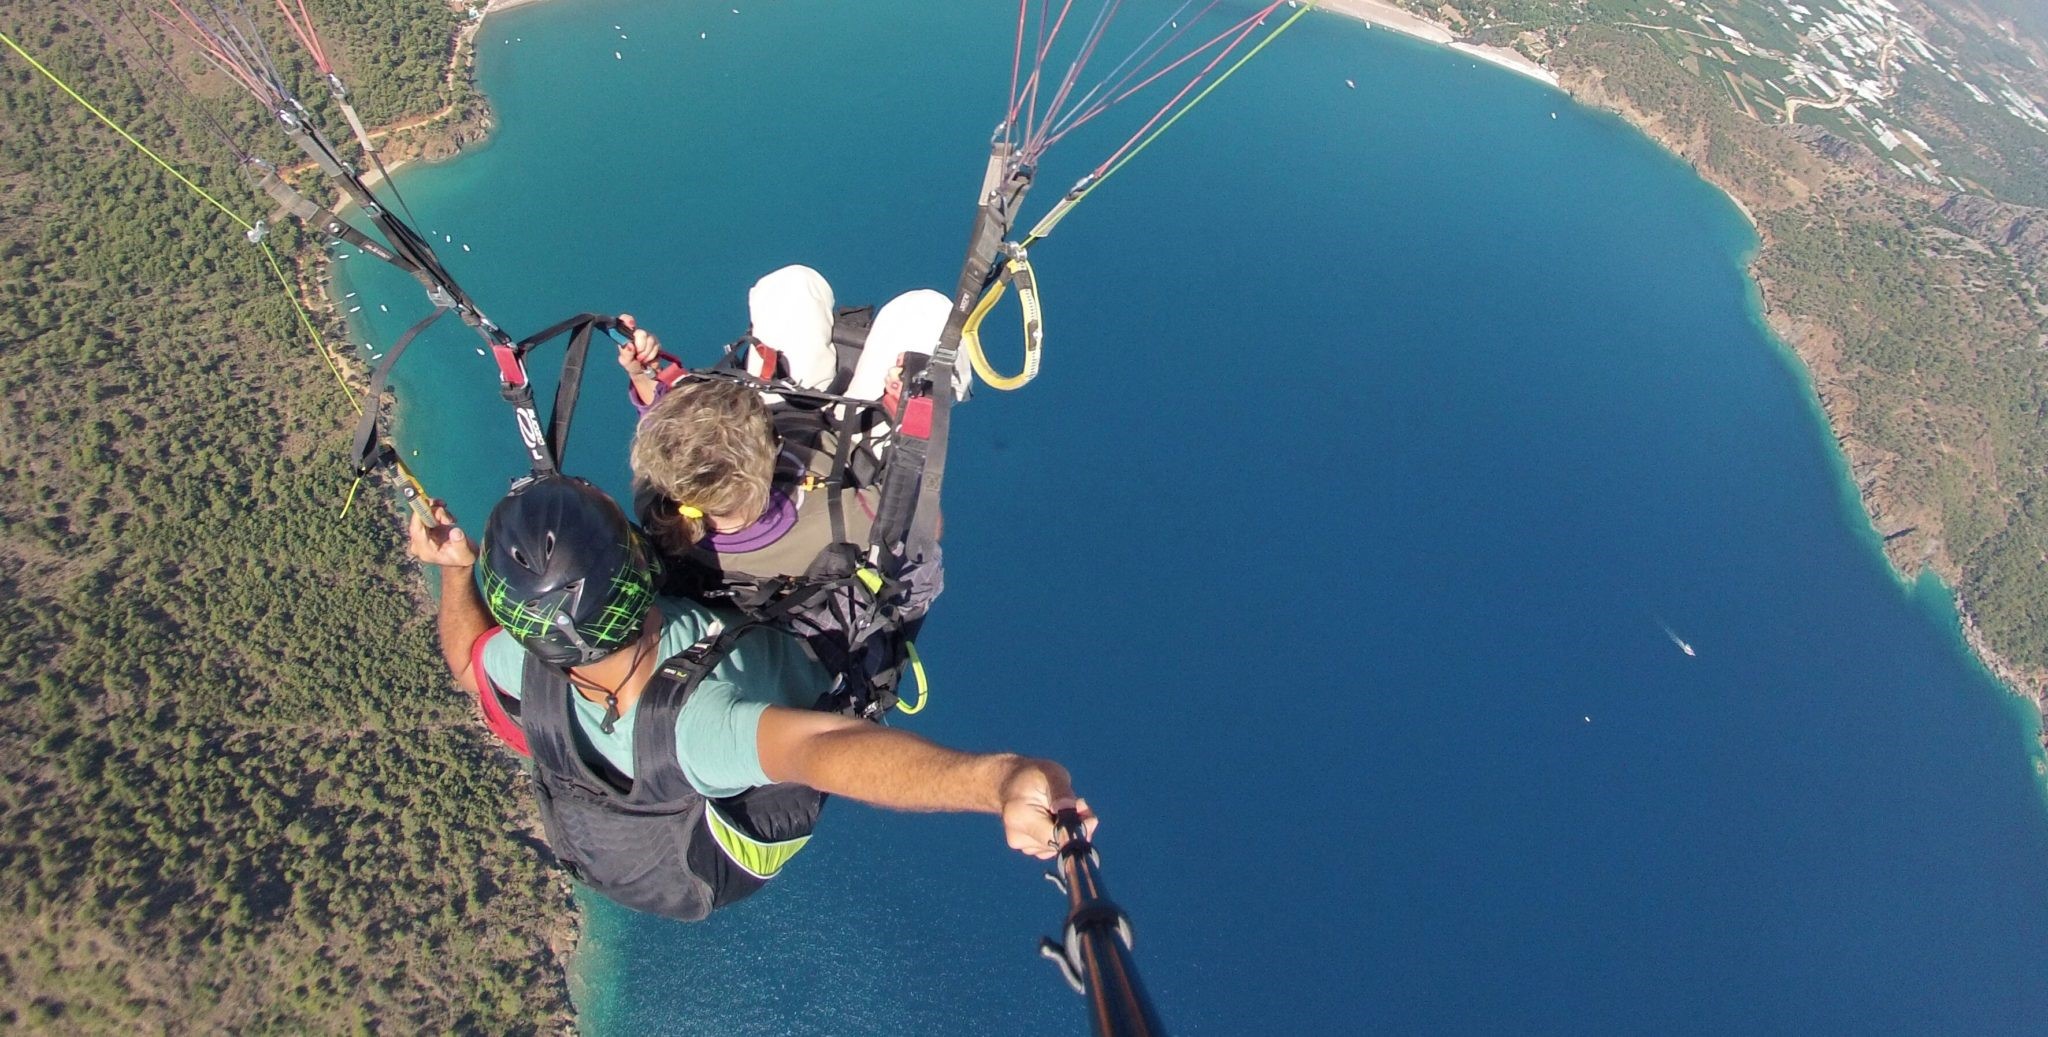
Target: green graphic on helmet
x,y
564,572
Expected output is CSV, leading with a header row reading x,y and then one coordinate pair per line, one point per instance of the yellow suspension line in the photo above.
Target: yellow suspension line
x,y
306,321
125,135
290,289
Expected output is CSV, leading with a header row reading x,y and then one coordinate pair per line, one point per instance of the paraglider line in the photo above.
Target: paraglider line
x,y
216,54
302,27
1242,33
283,280
1016,62
1089,42
1241,29
1094,180
1083,103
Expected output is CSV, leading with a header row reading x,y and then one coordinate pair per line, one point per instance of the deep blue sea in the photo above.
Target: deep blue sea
x,y
1382,433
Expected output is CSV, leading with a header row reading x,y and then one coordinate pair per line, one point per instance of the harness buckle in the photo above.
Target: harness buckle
x,y
696,654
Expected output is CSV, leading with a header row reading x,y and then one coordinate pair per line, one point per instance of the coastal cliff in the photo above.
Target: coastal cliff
x,y
1878,378
1918,310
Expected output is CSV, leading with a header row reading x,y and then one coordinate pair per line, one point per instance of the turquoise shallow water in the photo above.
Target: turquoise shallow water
x,y
1380,431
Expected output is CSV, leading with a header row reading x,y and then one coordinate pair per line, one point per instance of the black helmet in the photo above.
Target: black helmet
x,y
564,572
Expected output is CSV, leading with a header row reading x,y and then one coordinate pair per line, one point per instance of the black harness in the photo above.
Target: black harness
x,y
652,842
869,645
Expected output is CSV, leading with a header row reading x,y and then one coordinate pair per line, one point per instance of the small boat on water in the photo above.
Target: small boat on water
x,y
1350,83
1683,645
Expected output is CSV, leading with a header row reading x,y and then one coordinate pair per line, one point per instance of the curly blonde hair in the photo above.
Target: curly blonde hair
x,y
709,447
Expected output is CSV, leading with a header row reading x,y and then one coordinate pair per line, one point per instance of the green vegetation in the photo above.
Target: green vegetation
x,y
1980,143
236,793
1926,342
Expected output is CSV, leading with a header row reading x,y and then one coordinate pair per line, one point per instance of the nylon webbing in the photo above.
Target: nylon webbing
x,y
367,427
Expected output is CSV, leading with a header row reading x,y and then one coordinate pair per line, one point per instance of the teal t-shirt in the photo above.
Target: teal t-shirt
x,y
716,729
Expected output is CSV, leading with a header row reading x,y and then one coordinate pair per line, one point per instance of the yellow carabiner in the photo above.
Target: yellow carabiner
x,y
924,690
1018,270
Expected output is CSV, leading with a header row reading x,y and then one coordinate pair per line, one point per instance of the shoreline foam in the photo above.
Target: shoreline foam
x,y
494,6
1380,14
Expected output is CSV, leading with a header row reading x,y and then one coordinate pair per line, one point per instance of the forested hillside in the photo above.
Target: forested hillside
x,y
1920,309
236,792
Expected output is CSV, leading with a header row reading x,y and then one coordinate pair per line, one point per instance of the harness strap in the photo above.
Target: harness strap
x,y
570,386
367,427
850,327
544,447
547,716
547,729
492,702
906,525
657,774
419,257
762,360
312,214
843,424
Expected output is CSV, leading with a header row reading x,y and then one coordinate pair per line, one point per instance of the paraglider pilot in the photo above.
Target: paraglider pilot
x,y
679,753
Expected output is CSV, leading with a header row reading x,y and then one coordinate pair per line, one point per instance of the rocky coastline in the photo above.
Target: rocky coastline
x,y
1911,531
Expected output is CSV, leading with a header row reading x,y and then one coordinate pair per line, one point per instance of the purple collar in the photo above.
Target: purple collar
x,y
778,519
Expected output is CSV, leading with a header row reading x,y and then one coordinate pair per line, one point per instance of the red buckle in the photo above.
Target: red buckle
x,y
508,365
671,374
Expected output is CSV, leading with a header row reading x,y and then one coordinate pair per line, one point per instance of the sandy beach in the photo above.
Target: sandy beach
x,y
495,6
1385,15
1371,12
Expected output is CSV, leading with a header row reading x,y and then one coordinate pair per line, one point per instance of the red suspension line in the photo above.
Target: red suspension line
x,y
1045,43
1242,30
1016,62
1116,94
1133,65
1249,24
1095,34
217,54
302,27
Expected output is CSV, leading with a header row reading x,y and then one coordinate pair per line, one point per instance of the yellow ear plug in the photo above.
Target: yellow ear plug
x,y
690,511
